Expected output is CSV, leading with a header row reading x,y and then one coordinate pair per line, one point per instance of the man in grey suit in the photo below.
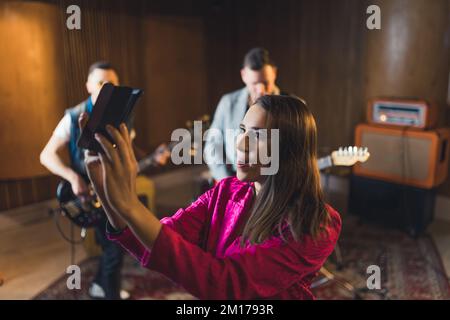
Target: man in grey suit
x,y
258,74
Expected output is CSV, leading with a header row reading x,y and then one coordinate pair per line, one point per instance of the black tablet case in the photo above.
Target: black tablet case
x,y
114,105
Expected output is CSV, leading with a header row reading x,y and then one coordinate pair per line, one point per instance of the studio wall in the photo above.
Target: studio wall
x,y
44,67
186,54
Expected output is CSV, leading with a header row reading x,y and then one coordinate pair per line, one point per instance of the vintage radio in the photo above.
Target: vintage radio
x,y
415,114
410,157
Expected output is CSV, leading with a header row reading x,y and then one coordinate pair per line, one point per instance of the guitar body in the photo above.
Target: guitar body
x,y
87,215
84,215
145,188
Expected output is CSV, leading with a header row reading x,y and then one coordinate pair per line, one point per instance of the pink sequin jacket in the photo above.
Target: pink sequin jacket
x,y
199,248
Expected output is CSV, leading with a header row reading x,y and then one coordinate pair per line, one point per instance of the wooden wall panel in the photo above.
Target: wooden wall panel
x,y
129,34
19,192
185,55
31,89
175,75
317,45
322,51
110,31
411,57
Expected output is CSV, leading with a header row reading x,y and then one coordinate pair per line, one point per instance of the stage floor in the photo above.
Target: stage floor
x,y
33,255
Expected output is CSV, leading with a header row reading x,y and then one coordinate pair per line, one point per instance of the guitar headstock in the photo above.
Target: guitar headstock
x,y
348,156
164,150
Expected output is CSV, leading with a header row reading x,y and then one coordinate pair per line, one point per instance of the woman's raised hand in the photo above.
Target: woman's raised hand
x,y
119,171
113,174
101,181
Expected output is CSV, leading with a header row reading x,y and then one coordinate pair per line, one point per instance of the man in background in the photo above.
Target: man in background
x,y
106,284
259,74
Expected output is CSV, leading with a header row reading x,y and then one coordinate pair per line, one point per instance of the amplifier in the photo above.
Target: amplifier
x,y
416,114
409,157
392,205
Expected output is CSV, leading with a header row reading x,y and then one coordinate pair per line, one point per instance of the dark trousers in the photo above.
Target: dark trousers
x,y
109,269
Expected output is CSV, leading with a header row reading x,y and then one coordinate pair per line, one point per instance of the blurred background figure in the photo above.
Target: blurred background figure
x,y
259,74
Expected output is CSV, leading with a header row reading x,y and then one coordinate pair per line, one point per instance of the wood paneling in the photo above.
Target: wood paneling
x,y
326,55
319,47
186,54
19,192
160,53
411,56
151,47
31,90
110,31
175,74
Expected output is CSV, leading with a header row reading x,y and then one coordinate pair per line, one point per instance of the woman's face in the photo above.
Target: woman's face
x,y
251,141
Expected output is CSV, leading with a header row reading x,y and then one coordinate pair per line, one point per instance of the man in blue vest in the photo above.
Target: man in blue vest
x,y
106,284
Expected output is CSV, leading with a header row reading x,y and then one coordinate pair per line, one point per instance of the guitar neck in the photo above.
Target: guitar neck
x,y
146,163
324,162
149,161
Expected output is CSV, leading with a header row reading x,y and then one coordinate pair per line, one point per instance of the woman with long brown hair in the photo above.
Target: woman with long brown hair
x,y
251,236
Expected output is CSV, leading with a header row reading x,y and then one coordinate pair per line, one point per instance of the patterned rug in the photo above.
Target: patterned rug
x,y
409,269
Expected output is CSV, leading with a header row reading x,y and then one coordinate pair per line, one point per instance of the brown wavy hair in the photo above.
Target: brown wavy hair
x,y
293,196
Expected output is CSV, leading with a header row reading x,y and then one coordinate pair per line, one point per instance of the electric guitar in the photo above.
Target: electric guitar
x,y
86,214
347,157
